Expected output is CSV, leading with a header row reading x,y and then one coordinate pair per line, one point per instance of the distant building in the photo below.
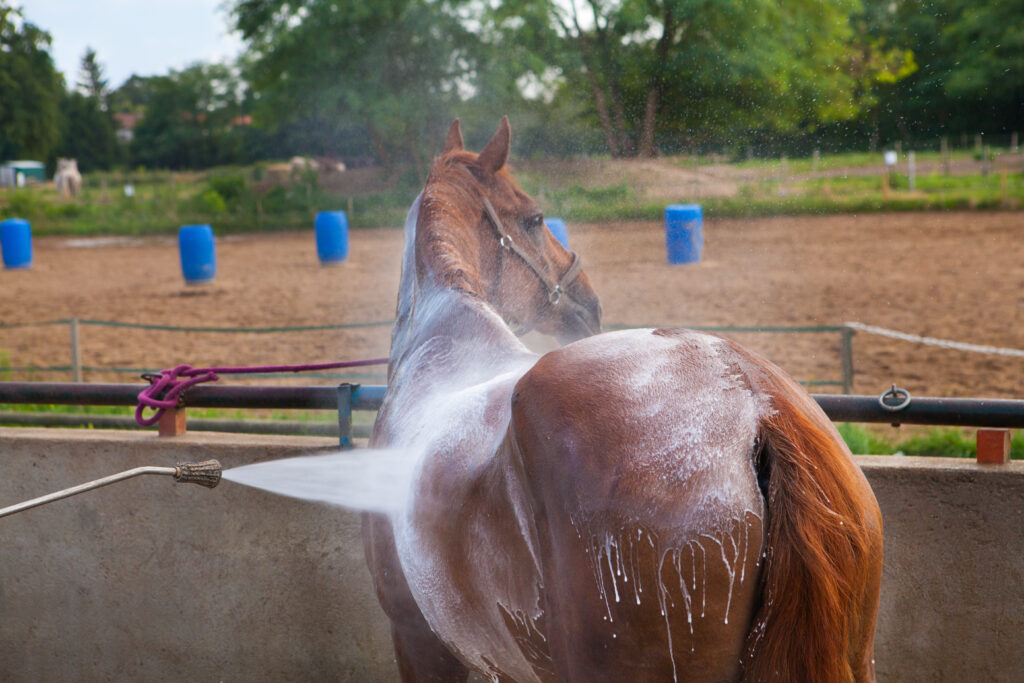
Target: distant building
x,y
126,121
17,173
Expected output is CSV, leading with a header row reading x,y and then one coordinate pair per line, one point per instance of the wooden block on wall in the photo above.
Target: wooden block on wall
x,y
993,446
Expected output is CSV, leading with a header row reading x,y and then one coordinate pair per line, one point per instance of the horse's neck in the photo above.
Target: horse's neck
x,y
454,335
430,314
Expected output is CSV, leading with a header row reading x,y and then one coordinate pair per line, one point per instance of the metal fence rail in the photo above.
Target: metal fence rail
x,y
960,412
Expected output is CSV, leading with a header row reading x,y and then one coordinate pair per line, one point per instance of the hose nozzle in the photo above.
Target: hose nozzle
x,y
206,473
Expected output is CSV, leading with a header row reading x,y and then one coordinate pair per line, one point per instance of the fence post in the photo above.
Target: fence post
x,y
76,352
846,357
910,170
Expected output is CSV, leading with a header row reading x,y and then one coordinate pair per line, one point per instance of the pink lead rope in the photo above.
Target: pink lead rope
x,y
169,384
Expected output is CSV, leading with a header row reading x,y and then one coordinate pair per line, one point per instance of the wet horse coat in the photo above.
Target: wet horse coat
x,y
652,503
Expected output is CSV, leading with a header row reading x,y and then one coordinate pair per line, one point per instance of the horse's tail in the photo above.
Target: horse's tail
x,y
822,563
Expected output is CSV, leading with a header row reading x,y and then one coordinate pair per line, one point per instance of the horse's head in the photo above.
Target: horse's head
x,y
485,236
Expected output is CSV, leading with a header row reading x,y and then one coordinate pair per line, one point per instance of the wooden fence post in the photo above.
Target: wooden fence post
x,y
76,352
846,357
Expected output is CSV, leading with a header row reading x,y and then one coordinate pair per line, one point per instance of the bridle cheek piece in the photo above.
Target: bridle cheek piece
x,y
556,290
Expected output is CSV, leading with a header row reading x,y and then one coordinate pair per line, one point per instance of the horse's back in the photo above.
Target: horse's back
x,y
637,453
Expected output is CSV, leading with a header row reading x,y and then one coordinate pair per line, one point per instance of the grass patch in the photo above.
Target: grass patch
x,y
831,162
940,442
235,200
229,199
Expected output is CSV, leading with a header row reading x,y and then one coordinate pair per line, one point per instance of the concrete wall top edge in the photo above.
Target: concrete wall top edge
x,y
210,441
150,437
880,463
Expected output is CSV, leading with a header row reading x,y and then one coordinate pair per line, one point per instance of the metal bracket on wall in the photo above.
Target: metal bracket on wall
x,y
346,397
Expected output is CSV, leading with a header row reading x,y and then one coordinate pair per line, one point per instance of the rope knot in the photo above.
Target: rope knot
x,y
165,391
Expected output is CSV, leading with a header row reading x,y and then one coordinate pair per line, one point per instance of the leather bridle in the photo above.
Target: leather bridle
x,y
556,290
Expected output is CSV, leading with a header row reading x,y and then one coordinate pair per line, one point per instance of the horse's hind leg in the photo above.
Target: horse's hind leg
x,y
420,654
422,657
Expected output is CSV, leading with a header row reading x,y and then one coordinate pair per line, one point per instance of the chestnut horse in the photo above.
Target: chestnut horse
x,y
638,505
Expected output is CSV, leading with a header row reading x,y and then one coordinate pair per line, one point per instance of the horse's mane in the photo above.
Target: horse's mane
x,y
450,210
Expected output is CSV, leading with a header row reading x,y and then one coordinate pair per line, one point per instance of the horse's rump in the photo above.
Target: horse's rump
x,y
636,449
649,457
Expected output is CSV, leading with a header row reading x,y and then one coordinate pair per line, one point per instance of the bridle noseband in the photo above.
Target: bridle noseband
x,y
556,290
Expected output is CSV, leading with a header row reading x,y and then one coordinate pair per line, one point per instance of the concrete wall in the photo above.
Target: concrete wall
x,y
952,605
152,580
149,580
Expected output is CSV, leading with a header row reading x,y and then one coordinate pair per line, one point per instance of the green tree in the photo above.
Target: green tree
x,y
988,39
392,69
30,89
90,79
86,133
187,122
988,75
970,68
692,70
580,43
133,95
87,129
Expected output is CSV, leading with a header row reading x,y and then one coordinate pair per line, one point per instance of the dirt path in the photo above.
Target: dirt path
x,y
957,276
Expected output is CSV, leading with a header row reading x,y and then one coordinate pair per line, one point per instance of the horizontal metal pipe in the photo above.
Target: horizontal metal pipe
x,y
959,412
202,396
951,412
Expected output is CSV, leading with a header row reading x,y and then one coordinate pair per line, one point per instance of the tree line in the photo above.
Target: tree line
x,y
376,81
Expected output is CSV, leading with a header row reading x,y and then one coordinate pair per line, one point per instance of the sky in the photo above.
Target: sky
x,y
143,37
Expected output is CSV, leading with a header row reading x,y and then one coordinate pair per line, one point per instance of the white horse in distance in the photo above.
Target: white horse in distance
x,y
67,178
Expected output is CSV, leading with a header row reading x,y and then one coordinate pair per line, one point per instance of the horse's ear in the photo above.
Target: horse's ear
x,y
454,140
495,154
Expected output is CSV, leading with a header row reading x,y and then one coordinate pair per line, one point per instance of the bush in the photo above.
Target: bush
x,y
231,188
65,210
212,202
23,204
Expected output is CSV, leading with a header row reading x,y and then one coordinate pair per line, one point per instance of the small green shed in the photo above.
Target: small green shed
x,y
17,173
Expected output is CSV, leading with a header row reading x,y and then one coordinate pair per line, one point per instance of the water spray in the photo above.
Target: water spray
x,y
206,473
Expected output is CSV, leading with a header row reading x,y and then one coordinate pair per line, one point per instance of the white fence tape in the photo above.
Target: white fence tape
x,y
932,341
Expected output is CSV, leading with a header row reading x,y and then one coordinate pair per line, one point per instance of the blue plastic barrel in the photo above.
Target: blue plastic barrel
x,y
198,259
684,232
16,243
331,236
557,228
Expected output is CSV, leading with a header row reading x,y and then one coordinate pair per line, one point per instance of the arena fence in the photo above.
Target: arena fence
x,y
77,369
845,333
894,406
992,416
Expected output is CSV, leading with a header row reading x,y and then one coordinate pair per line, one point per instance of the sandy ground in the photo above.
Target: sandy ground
x,y
957,276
